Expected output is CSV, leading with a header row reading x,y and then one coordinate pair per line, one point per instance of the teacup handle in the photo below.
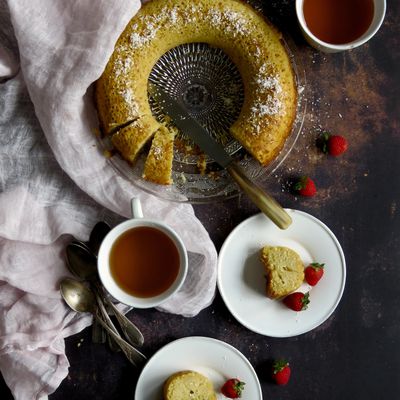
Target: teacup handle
x,y
136,208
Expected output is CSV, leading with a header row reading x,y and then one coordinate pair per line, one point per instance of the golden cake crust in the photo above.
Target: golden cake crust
x,y
252,43
131,139
188,385
158,165
284,269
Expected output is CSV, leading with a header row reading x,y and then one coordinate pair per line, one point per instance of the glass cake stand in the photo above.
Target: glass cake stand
x,y
211,87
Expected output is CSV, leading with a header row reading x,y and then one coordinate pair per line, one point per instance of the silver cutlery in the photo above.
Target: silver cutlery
x,y
81,299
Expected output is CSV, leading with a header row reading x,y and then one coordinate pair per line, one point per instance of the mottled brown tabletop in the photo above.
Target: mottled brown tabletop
x,y
355,354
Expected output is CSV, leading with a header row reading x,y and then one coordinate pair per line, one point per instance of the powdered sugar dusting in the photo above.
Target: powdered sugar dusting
x,y
270,107
268,93
174,16
151,24
145,30
129,98
157,152
269,83
122,67
143,38
238,23
231,21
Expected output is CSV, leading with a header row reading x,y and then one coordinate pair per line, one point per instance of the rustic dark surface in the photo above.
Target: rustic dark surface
x,y
355,354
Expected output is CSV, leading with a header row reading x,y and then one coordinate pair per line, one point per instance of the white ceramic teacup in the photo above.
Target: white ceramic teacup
x,y
377,19
105,273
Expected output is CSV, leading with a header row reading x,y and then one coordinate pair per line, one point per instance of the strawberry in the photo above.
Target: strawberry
x,y
313,273
281,372
305,186
232,388
297,301
333,144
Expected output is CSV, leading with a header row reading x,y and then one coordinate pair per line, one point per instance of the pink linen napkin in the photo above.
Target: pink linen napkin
x,y
63,48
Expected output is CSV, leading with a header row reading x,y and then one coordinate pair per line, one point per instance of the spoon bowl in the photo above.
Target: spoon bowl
x,y
81,299
81,262
97,236
77,295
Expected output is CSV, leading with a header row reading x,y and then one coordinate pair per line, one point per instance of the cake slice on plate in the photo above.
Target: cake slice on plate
x,y
284,269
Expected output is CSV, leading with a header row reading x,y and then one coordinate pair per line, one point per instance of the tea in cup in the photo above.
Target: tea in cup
x,y
337,25
142,262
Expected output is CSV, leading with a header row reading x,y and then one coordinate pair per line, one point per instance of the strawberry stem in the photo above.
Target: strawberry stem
x,y
239,386
279,365
305,301
301,183
324,141
317,265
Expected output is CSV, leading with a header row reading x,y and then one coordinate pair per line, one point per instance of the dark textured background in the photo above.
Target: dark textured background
x,y
355,354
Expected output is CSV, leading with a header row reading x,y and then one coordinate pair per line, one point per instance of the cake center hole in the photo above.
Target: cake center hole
x,y
209,85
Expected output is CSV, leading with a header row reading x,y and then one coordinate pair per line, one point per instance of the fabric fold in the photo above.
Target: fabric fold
x,y
55,183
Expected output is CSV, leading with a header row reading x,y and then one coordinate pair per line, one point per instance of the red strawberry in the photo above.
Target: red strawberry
x,y
281,372
313,273
333,144
232,388
297,301
306,186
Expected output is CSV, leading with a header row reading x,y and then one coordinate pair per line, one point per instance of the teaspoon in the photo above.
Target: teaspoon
x,y
83,264
78,263
99,232
81,299
97,235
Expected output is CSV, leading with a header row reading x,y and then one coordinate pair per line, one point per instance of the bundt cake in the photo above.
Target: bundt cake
x,y
251,42
284,270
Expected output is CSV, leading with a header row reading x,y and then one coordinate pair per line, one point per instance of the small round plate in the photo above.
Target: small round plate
x,y
213,358
242,282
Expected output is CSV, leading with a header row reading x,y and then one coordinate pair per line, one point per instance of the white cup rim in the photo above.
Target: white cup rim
x,y
104,266
378,18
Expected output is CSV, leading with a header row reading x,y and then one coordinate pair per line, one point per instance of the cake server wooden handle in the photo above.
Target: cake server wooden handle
x,y
267,204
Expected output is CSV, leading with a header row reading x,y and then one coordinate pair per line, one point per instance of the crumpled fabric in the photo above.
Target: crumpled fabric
x,y
55,183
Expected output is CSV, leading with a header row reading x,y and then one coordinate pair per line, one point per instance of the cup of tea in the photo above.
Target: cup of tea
x,y
142,262
337,25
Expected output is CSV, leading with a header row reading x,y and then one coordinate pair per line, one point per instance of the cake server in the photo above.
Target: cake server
x,y
187,124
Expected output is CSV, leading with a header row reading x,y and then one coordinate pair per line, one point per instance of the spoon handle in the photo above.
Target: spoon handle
x,y
132,354
98,333
130,330
111,342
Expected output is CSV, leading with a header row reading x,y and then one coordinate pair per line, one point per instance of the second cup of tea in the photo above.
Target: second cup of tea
x,y
337,25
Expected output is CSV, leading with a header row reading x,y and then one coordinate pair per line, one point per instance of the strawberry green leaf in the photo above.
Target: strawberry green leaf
x,y
301,183
279,365
324,141
305,301
317,265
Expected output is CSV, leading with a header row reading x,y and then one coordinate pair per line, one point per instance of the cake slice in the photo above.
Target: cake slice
x,y
131,139
158,165
284,269
188,385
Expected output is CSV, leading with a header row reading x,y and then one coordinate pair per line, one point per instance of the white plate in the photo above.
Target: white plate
x,y
241,276
217,360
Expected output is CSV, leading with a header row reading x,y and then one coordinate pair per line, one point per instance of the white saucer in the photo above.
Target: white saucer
x,y
242,282
216,360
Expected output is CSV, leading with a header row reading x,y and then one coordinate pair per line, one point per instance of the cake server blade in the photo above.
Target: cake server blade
x,y
187,124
